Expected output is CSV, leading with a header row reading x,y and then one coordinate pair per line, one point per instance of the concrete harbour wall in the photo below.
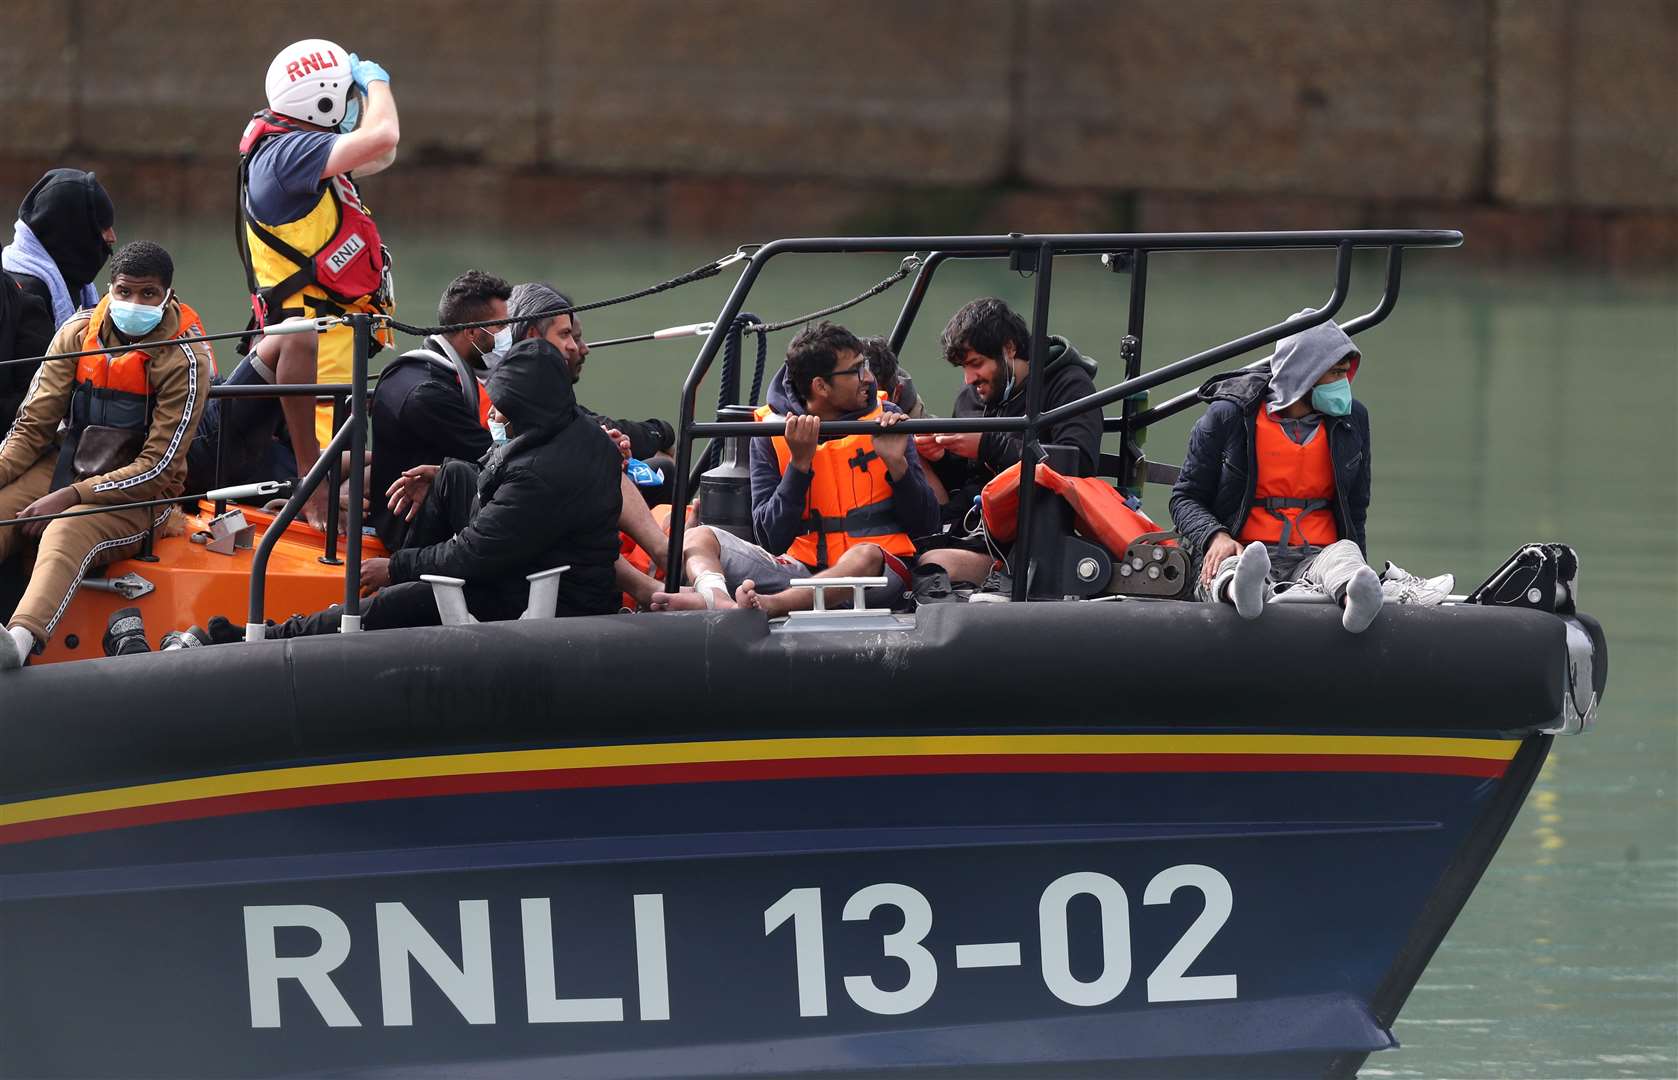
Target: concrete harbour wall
x,y
1543,127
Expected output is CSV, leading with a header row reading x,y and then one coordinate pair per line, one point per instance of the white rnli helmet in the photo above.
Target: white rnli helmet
x,y
310,80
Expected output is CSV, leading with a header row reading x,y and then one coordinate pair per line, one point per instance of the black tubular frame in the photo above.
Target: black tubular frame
x,y
1129,251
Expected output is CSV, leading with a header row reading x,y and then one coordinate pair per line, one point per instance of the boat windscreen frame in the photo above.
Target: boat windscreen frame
x,y
1035,254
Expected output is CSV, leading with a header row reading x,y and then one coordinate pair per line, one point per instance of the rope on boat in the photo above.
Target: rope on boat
x,y
698,273
909,266
328,322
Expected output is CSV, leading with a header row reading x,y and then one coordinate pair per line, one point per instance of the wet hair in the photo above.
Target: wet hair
x,y
528,299
984,325
881,361
815,352
142,258
467,298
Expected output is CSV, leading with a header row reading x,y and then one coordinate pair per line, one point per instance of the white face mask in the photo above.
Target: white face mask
x,y
497,432
503,342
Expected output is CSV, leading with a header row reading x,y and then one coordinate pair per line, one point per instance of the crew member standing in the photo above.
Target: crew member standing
x,y
309,244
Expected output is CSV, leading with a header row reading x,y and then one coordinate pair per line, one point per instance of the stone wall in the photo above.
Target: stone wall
x,y
1550,124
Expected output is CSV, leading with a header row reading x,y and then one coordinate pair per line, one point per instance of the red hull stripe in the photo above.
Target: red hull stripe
x,y
708,772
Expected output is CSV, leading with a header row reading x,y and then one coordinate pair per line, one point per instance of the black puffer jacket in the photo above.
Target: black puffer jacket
x,y
549,497
1215,490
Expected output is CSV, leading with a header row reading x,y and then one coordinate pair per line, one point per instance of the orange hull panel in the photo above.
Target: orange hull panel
x,y
194,583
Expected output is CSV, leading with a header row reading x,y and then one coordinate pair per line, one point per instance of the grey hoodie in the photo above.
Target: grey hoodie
x,y
1300,360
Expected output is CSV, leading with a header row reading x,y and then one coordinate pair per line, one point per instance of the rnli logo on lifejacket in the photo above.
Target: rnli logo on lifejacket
x,y
346,251
311,63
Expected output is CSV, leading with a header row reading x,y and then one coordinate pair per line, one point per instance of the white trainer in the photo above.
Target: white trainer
x,y
1400,586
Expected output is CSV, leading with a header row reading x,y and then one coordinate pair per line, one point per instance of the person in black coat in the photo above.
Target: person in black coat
x,y
64,233
548,497
429,403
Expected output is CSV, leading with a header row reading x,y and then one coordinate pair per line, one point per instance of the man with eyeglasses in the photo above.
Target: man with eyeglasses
x,y
844,506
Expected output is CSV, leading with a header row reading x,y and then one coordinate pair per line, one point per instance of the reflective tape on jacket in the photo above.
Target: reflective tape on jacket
x,y
1293,497
849,500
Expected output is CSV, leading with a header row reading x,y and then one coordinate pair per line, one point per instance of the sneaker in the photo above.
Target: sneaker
x,y
191,638
1400,586
125,633
997,589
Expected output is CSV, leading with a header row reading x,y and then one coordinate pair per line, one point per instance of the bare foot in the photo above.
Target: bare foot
x,y
687,600
746,595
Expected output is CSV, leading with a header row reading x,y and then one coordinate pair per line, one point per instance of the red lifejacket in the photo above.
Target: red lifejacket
x,y
1293,498
344,260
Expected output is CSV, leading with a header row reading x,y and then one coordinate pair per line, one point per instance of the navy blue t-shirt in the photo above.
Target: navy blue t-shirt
x,y
285,173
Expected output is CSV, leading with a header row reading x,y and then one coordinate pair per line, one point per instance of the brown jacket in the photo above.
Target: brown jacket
x,y
180,386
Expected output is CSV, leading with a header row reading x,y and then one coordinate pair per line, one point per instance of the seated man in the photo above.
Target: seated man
x,y
893,381
992,347
1275,484
429,404
546,498
841,507
127,416
640,439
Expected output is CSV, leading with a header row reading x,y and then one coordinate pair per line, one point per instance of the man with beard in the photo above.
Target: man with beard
x,y
643,439
992,347
845,506
65,230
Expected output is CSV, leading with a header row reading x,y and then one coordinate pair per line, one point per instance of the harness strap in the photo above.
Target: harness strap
x,y
875,519
1275,505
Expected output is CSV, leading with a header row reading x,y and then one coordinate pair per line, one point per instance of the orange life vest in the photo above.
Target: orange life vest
x,y
113,390
1100,511
849,501
483,407
1293,499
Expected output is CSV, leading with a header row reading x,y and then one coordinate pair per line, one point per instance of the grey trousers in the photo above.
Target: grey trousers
x,y
1328,569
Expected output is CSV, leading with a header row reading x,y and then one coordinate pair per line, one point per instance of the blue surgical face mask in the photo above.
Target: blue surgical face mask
x,y
497,432
136,320
352,114
1332,398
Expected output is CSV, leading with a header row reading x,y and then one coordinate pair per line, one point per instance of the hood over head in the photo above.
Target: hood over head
x,y
531,387
1300,360
68,210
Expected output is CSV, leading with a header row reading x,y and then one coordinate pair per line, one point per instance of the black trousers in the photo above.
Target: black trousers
x,y
449,505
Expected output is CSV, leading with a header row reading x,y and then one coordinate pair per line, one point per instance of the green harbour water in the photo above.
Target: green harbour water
x,y
1507,406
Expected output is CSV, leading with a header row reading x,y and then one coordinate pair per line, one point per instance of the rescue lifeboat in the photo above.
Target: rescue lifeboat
x,y
1046,835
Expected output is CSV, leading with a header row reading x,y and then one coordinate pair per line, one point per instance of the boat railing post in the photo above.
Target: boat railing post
x,y
679,494
912,302
254,627
362,325
1389,296
1030,452
334,477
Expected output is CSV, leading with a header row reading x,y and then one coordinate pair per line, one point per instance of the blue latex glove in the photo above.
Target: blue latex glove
x,y
643,475
367,71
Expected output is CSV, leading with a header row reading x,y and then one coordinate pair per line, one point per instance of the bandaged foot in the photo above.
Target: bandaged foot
x,y
1252,575
15,647
1363,601
709,591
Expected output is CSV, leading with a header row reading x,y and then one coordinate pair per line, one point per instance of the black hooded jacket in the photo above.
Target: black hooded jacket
x,y
549,497
69,211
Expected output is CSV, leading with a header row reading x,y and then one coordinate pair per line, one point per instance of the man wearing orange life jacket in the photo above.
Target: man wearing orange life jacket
x,y
846,506
101,430
1275,483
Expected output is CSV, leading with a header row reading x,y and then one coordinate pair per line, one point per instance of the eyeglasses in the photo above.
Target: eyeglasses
x,y
860,370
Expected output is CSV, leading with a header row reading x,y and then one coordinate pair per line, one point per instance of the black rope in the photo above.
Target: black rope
x,y
698,273
762,359
728,382
167,343
910,265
